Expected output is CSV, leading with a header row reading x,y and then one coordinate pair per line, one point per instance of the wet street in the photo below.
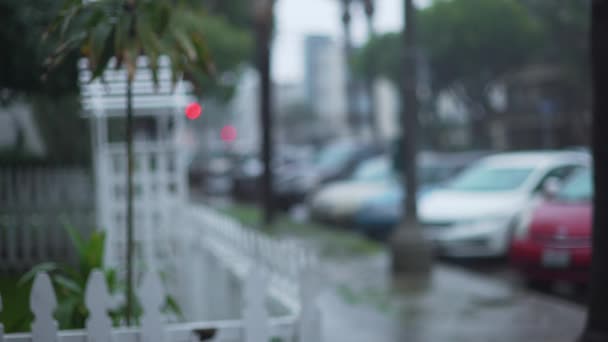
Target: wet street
x,y
501,271
458,305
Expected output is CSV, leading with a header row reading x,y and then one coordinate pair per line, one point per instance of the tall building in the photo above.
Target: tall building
x,y
387,108
325,79
245,110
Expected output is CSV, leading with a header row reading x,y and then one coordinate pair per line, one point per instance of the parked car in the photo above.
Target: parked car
x,y
552,241
474,214
246,178
380,214
294,182
293,176
210,174
338,160
338,202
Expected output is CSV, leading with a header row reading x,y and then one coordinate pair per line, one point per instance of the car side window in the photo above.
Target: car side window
x,y
560,172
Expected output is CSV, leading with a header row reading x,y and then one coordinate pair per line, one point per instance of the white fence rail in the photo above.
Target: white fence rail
x,y
254,327
214,264
35,203
237,249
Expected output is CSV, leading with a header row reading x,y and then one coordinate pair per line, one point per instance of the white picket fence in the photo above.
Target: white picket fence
x,y
215,263
35,204
255,325
237,249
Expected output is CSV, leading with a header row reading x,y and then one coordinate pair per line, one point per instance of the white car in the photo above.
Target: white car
x,y
474,214
339,201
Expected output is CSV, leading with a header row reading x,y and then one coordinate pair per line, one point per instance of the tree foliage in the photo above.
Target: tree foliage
x,y
566,28
469,44
23,53
465,41
476,41
381,56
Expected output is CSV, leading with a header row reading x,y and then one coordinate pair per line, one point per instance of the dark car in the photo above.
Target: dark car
x,y
338,160
210,174
289,180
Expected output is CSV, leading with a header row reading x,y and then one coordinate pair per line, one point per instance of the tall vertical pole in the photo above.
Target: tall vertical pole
x,y
349,79
129,217
411,255
130,165
263,21
409,114
596,328
370,74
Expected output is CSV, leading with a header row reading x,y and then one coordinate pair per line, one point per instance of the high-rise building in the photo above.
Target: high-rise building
x,y
325,79
245,110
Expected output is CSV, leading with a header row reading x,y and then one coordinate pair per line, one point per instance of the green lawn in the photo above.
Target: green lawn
x,y
15,314
333,241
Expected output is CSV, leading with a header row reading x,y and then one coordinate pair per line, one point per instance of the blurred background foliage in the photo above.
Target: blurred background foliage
x,y
67,140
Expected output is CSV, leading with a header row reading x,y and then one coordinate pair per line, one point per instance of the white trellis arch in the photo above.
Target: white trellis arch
x,y
160,174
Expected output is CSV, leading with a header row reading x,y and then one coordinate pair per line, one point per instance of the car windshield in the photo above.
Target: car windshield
x,y
377,169
486,178
435,175
335,155
578,188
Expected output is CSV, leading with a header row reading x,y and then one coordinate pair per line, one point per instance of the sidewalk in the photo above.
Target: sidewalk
x,y
358,305
458,306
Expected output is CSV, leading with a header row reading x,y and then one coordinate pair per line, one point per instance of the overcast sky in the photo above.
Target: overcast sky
x,y
298,18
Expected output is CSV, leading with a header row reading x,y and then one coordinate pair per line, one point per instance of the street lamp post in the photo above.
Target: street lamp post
x,y
263,18
348,53
411,254
370,76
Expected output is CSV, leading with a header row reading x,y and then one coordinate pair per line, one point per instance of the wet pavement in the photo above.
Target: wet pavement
x,y
459,305
500,270
470,302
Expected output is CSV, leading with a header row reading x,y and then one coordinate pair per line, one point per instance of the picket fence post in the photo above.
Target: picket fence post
x,y
151,298
255,315
43,304
310,322
98,302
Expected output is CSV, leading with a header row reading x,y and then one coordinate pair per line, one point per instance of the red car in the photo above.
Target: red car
x,y
553,240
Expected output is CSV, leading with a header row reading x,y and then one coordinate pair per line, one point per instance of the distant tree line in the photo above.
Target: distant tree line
x,y
468,45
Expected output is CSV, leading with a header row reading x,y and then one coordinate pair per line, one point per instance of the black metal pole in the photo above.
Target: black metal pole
x,y
409,114
263,35
129,217
370,75
351,114
596,328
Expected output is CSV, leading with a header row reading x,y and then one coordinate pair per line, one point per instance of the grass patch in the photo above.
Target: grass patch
x,y
332,242
15,314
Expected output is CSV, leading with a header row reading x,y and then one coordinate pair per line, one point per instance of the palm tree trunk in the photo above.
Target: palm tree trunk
x,y
263,31
597,320
129,260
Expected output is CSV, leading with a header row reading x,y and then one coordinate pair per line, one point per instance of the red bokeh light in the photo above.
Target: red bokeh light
x,y
193,111
228,133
